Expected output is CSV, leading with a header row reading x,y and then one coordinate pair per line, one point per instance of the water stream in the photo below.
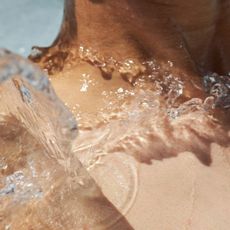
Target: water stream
x,y
40,176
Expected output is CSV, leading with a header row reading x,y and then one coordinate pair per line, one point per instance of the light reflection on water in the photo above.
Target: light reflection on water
x,y
143,123
39,172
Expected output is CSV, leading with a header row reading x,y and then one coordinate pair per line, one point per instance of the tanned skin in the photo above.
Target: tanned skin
x,y
193,34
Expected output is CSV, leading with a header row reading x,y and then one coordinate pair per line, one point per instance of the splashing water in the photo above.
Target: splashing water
x,y
149,121
41,159
40,176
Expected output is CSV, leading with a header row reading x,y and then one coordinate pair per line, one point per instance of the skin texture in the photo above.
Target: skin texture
x,y
193,36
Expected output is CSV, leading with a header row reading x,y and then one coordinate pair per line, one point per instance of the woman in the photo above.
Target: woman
x,y
131,73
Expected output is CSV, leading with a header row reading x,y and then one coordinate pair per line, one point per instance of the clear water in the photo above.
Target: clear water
x,y
44,165
40,175
57,181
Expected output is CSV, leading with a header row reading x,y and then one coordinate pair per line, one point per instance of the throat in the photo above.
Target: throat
x,y
107,29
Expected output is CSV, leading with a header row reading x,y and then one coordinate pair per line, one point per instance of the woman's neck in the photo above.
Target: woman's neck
x,y
135,30
140,30
106,28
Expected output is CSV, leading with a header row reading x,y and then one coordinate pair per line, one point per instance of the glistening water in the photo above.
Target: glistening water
x,y
43,185
55,176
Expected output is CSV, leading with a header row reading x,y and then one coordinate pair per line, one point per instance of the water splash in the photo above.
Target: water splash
x,y
129,68
219,87
154,120
39,172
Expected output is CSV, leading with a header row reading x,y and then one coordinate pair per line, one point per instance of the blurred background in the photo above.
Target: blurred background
x,y
25,23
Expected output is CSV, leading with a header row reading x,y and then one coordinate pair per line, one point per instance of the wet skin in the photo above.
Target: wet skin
x,y
192,35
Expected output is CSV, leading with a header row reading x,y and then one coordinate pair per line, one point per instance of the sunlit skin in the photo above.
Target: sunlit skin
x,y
193,35
190,34
187,39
